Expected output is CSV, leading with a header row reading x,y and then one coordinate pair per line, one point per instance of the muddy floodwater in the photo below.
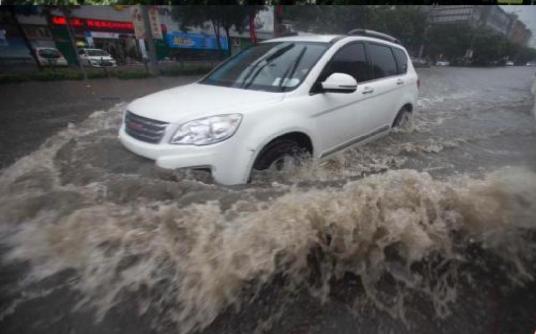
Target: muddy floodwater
x,y
431,229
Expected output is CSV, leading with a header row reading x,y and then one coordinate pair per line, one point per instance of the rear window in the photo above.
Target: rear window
x,y
382,60
96,53
49,53
401,60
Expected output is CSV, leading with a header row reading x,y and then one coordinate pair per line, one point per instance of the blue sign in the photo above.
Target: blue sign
x,y
186,40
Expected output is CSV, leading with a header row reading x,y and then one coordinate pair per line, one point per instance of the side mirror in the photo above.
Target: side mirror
x,y
339,83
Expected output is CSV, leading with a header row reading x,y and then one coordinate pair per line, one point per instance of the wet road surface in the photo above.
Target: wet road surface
x,y
430,229
36,110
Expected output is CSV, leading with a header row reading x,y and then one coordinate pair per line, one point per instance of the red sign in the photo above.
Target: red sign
x,y
94,24
60,20
113,25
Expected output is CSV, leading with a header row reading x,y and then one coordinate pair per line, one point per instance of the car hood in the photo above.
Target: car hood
x,y
198,100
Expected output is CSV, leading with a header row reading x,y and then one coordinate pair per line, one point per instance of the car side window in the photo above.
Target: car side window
x,y
401,60
81,52
350,59
382,59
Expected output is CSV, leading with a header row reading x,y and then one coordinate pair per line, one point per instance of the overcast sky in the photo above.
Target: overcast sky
x,y
527,14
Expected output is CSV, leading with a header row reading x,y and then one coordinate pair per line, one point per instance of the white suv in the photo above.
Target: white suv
x,y
275,101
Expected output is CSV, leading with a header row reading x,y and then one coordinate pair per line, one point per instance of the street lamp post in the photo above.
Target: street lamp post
x,y
426,29
70,33
153,66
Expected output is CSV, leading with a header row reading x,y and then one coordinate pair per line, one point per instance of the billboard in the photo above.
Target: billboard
x,y
136,16
186,40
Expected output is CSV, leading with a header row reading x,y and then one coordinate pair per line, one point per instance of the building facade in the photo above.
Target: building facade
x,y
111,28
519,33
492,17
455,14
497,19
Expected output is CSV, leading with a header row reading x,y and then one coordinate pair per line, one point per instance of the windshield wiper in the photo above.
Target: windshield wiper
x,y
267,61
294,66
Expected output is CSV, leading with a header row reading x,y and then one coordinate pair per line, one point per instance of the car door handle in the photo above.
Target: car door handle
x,y
367,90
399,82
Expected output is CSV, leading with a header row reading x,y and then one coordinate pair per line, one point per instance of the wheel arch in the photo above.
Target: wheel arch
x,y
293,133
406,106
300,137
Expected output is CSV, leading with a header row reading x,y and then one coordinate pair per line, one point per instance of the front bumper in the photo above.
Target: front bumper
x,y
94,63
228,165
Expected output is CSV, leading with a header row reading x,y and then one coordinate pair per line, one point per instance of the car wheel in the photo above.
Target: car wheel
x,y
279,154
403,119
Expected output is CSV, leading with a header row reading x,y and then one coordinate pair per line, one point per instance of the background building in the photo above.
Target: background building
x,y
492,17
110,28
519,33
454,14
496,18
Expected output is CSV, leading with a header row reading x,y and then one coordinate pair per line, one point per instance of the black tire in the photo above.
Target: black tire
x,y
404,112
276,151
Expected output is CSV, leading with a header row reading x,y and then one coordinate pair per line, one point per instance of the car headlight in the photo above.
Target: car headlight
x,y
205,131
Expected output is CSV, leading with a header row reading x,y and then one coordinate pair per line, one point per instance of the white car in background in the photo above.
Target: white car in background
x,y
48,56
442,63
96,58
275,102
509,63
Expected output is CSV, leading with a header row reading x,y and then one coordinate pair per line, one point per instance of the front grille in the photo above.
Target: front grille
x,y
144,129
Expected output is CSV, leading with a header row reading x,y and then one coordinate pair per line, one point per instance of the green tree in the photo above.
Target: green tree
x,y
451,41
222,15
407,23
524,55
327,19
490,46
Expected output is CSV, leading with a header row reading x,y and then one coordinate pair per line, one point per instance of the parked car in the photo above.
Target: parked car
x,y
47,56
96,58
442,63
461,61
269,105
531,63
509,63
419,62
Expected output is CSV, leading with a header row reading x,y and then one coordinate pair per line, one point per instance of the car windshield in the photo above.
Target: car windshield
x,y
274,67
49,53
97,52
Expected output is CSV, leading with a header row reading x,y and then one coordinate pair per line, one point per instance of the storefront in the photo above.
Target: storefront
x,y
110,28
13,48
191,46
116,37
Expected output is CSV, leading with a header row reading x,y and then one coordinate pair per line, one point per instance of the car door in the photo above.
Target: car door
x,y
343,119
385,84
405,82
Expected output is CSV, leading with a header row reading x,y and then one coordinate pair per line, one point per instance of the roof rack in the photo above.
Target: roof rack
x,y
372,33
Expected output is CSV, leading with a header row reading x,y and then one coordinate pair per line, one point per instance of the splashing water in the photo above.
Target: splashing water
x,y
188,250
198,259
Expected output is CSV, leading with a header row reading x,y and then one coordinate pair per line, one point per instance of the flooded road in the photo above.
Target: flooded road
x,y
430,229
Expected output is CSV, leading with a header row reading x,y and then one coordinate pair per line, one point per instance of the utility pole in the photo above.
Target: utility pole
x,y
426,29
67,15
153,65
